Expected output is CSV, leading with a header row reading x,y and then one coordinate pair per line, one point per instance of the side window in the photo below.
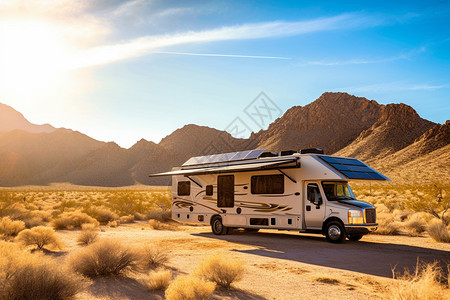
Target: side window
x,y
313,193
267,184
209,190
184,188
225,191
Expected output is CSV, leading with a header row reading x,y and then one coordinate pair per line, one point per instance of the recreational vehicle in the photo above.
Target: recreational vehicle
x,y
254,189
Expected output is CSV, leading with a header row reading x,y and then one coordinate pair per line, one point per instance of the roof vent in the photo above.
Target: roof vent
x,y
268,154
311,150
287,152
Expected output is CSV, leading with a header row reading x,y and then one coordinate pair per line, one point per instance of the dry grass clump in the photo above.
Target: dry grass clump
x,y
159,214
112,224
157,225
438,232
40,237
158,279
387,225
104,258
415,224
423,284
152,257
126,219
102,214
72,220
188,287
327,280
221,269
88,235
10,228
30,276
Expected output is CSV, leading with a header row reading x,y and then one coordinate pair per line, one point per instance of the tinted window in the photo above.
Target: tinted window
x,y
184,188
225,191
209,190
268,184
313,192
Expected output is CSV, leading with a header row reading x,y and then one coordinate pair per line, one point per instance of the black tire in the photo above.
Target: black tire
x,y
217,226
355,237
335,232
251,229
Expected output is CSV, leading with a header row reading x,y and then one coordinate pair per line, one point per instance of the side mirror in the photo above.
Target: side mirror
x,y
319,202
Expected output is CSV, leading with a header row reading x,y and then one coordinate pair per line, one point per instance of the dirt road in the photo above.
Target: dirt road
x,y
279,265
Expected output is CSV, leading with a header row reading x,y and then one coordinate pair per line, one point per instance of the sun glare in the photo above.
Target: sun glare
x,y
32,55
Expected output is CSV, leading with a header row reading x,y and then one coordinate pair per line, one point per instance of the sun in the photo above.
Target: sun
x,y
32,55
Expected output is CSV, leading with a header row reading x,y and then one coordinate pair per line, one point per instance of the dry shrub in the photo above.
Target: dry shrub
x,y
72,220
221,269
10,228
158,279
157,225
102,214
415,225
126,219
387,225
104,258
40,237
189,287
423,284
327,280
438,232
152,257
30,276
159,214
87,236
112,224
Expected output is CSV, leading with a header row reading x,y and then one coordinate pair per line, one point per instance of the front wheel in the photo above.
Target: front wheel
x,y
355,237
335,232
217,226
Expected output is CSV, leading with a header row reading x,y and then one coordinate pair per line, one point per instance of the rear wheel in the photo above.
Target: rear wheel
x,y
217,226
251,229
335,232
355,237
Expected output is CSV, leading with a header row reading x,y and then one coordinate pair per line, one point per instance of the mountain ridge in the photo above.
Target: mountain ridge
x,y
342,124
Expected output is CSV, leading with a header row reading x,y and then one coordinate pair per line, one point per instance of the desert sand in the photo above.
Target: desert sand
x,y
279,264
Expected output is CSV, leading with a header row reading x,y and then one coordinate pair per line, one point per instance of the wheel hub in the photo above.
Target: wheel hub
x,y
334,232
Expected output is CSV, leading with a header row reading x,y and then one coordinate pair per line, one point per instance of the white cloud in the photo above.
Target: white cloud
x,y
143,45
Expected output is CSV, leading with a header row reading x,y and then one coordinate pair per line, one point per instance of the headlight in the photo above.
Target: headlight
x,y
355,217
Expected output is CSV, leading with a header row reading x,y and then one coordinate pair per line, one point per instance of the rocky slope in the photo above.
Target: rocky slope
x,y
397,127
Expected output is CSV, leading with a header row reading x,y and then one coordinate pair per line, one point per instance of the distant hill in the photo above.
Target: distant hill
x,y
10,119
392,138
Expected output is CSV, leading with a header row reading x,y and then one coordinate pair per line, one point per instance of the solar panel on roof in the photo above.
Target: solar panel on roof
x,y
353,168
223,157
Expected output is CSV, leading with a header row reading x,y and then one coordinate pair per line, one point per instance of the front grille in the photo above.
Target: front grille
x,y
371,215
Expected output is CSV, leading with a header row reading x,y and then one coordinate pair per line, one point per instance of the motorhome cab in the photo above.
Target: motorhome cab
x,y
306,191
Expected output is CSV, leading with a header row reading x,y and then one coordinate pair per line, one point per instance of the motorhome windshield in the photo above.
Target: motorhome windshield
x,y
337,190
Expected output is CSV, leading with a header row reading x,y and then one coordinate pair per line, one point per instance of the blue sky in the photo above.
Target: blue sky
x,y
125,70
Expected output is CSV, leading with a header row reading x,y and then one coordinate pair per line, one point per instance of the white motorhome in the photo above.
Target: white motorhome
x,y
306,191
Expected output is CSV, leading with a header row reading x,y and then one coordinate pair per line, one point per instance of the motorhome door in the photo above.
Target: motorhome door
x,y
314,205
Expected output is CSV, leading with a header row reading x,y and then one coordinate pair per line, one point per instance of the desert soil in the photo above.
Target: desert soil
x,y
279,264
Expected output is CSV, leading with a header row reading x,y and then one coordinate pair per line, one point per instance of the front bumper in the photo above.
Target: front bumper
x,y
360,229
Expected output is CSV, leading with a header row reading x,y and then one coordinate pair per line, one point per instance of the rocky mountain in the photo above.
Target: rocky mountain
x,y
397,127
10,119
392,138
331,122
